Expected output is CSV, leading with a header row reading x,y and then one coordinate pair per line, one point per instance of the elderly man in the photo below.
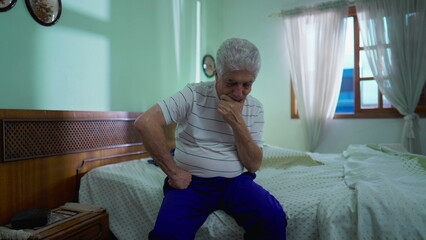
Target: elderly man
x,y
218,150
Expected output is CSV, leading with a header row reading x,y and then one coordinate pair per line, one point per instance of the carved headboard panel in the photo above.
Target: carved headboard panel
x,y
27,138
43,153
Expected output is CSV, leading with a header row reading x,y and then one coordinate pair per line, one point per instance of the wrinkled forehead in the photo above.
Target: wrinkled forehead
x,y
241,76
239,70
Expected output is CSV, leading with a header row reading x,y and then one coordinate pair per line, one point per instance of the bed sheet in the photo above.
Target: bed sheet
x,y
132,194
363,193
390,191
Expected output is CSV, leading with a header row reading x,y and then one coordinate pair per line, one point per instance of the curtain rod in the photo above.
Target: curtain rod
x,y
321,6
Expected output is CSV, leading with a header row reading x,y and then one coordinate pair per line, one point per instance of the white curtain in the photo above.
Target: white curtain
x,y
394,33
315,41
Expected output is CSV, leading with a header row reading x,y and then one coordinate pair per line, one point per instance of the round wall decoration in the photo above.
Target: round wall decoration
x,y
45,12
6,5
208,65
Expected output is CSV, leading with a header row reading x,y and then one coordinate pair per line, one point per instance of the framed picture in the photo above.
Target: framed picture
x,y
208,65
45,12
6,5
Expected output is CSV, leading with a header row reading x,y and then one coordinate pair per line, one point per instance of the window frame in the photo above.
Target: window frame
x,y
359,112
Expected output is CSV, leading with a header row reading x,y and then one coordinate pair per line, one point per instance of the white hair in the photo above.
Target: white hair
x,y
237,54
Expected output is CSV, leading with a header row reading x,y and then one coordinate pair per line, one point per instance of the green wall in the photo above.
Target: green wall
x,y
105,55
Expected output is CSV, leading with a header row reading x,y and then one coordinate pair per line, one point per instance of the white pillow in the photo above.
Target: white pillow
x,y
394,146
279,157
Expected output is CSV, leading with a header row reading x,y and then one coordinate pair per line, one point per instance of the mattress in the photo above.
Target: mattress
x,y
325,196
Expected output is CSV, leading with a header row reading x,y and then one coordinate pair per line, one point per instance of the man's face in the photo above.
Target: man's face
x,y
236,84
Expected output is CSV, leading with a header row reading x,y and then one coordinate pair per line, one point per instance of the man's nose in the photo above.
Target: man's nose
x,y
238,91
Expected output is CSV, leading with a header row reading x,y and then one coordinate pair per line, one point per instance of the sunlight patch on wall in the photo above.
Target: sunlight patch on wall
x,y
198,42
177,10
100,9
72,70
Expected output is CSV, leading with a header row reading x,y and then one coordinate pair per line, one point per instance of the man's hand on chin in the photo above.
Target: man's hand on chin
x,y
230,109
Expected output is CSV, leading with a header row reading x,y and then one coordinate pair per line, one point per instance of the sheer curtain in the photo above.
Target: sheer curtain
x,y
315,41
394,33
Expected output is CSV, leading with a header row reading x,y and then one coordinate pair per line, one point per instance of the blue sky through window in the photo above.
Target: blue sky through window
x,y
346,102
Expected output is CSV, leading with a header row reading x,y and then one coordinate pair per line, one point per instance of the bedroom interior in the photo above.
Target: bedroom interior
x,y
105,62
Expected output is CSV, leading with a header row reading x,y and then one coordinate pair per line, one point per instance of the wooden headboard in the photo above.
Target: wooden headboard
x,y
44,153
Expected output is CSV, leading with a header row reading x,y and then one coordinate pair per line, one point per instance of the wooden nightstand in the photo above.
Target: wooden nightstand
x,y
74,221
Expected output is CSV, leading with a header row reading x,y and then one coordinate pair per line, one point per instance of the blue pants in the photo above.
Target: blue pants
x,y
184,211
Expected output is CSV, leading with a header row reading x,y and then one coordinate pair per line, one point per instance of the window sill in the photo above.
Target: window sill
x,y
366,115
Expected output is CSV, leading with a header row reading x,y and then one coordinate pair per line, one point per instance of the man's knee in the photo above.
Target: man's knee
x,y
271,224
275,215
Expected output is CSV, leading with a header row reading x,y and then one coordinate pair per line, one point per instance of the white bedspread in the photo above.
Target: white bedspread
x,y
343,199
390,193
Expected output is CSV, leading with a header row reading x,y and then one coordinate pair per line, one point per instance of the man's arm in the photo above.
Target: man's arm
x,y
249,153
150,126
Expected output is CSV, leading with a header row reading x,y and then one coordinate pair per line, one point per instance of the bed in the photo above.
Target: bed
x,y
367,192
48,158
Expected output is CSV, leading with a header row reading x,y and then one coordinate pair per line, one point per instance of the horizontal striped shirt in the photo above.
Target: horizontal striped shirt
x,y
205,143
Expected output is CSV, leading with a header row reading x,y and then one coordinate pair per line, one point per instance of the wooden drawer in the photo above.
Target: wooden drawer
x,y
93,228
92,231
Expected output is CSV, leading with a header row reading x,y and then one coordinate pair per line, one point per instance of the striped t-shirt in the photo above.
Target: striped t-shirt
x,y
205,144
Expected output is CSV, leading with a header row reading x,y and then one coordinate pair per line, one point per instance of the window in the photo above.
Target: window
x,y
360,96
